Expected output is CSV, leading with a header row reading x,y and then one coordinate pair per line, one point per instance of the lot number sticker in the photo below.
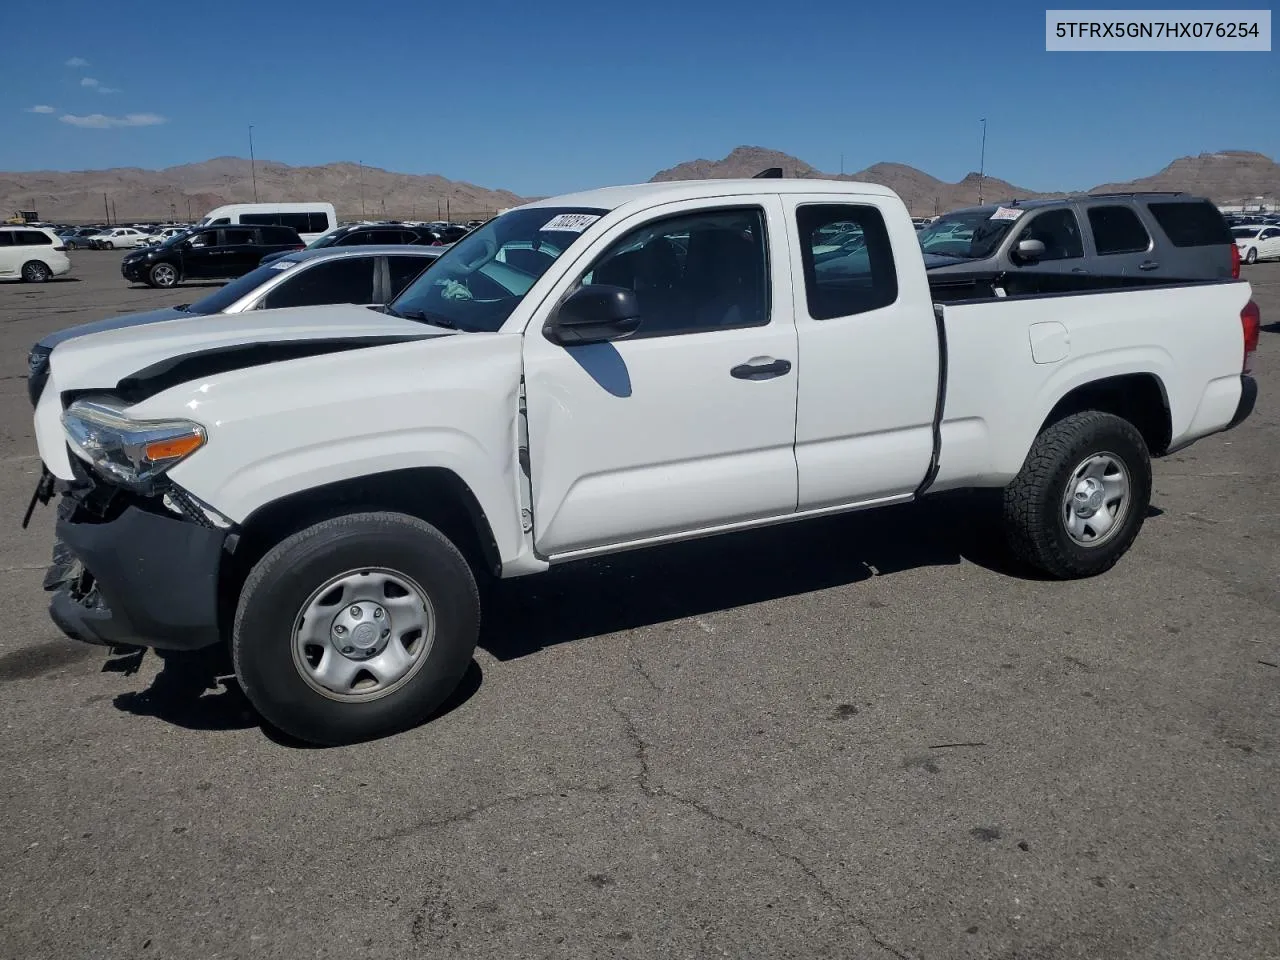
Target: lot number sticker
x,y
571,222
1006,213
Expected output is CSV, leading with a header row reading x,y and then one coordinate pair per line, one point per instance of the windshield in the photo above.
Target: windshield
x,y
327,239
224,297
477,283
967,234
176,238
1245,233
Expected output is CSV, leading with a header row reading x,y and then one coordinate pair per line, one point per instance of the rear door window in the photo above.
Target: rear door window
x,y
239,238
1117,229
32,238
847,259
349,280
1191,224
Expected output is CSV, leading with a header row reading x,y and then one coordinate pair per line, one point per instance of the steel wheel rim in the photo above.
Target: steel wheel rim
x,y
1097,500
340,657
164,275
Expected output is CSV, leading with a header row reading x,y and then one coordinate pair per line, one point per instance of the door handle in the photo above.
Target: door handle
x,y
761,368
1148,265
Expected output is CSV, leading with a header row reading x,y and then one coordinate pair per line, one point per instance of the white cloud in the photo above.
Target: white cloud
x,y
108,89
42,108
100,121
77,62
88,82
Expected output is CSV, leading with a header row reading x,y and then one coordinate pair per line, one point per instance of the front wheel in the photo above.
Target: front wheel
x,y
163,275
108,245
36,272
356,627
1081,497
1251,256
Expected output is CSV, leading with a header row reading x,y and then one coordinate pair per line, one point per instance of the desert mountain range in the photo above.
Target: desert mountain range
x,y
193,189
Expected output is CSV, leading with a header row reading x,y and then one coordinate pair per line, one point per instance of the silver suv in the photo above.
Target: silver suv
x,y
1163,236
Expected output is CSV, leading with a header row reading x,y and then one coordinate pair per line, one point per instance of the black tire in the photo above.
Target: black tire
x,y
279,587
1035,512
36,271
1252,256
163,275
108,245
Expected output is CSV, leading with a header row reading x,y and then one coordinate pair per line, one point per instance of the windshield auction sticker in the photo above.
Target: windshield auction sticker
x,y
1006,213
571,222
1136,31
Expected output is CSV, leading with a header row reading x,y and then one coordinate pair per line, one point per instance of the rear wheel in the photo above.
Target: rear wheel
x,y
163,275
356,627
36,272
1251,256
1081,497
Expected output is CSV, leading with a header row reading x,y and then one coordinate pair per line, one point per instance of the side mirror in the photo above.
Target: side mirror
x,y
594,314
1029,251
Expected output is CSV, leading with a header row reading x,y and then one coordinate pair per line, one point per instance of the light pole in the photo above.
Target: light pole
x,y
362,215
982,160
253,167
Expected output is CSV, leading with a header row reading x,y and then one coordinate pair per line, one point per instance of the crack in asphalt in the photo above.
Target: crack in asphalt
x,y
645,782
638,665
511,800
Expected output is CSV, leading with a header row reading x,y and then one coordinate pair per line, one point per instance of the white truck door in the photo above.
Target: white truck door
x,y
689,424
868,348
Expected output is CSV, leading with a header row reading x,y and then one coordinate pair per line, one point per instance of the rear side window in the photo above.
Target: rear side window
x,y
404,269
847,258
238,237
260,219
349,280
1197,224
32,238
1117,230
317,223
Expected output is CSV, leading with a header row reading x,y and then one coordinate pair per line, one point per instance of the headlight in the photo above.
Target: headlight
x,y
131,452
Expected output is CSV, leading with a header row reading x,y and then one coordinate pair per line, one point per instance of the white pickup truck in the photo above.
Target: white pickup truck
x,y
323,487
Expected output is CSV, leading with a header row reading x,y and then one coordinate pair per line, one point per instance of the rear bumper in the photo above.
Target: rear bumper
x,y
1248,400
141,578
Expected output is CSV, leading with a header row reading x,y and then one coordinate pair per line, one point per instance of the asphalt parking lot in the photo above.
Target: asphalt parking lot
x,y
861,737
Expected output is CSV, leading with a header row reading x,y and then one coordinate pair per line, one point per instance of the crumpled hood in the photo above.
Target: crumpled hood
x,y
113,323
101,360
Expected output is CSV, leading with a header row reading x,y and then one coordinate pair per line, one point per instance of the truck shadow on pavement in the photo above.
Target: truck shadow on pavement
x,y
197,690
593,597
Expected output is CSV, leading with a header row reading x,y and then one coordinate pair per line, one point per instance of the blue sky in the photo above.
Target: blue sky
x,y
548,97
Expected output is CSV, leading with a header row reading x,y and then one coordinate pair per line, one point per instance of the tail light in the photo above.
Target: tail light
x,y
60,249
437,243
1251,324
1235,262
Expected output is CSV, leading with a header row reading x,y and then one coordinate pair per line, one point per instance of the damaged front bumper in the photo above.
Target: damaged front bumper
x,y
126,570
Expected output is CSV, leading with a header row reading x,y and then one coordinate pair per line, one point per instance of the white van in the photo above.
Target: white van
x,y
33,254
311,220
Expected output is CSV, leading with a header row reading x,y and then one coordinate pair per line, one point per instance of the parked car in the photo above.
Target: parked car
x,y
1257,241
207,253
371,233
80,238
1158,235
360,275
33,254
117,237
161,235
323,485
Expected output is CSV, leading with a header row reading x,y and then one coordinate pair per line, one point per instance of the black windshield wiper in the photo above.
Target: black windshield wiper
x,y
422,316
